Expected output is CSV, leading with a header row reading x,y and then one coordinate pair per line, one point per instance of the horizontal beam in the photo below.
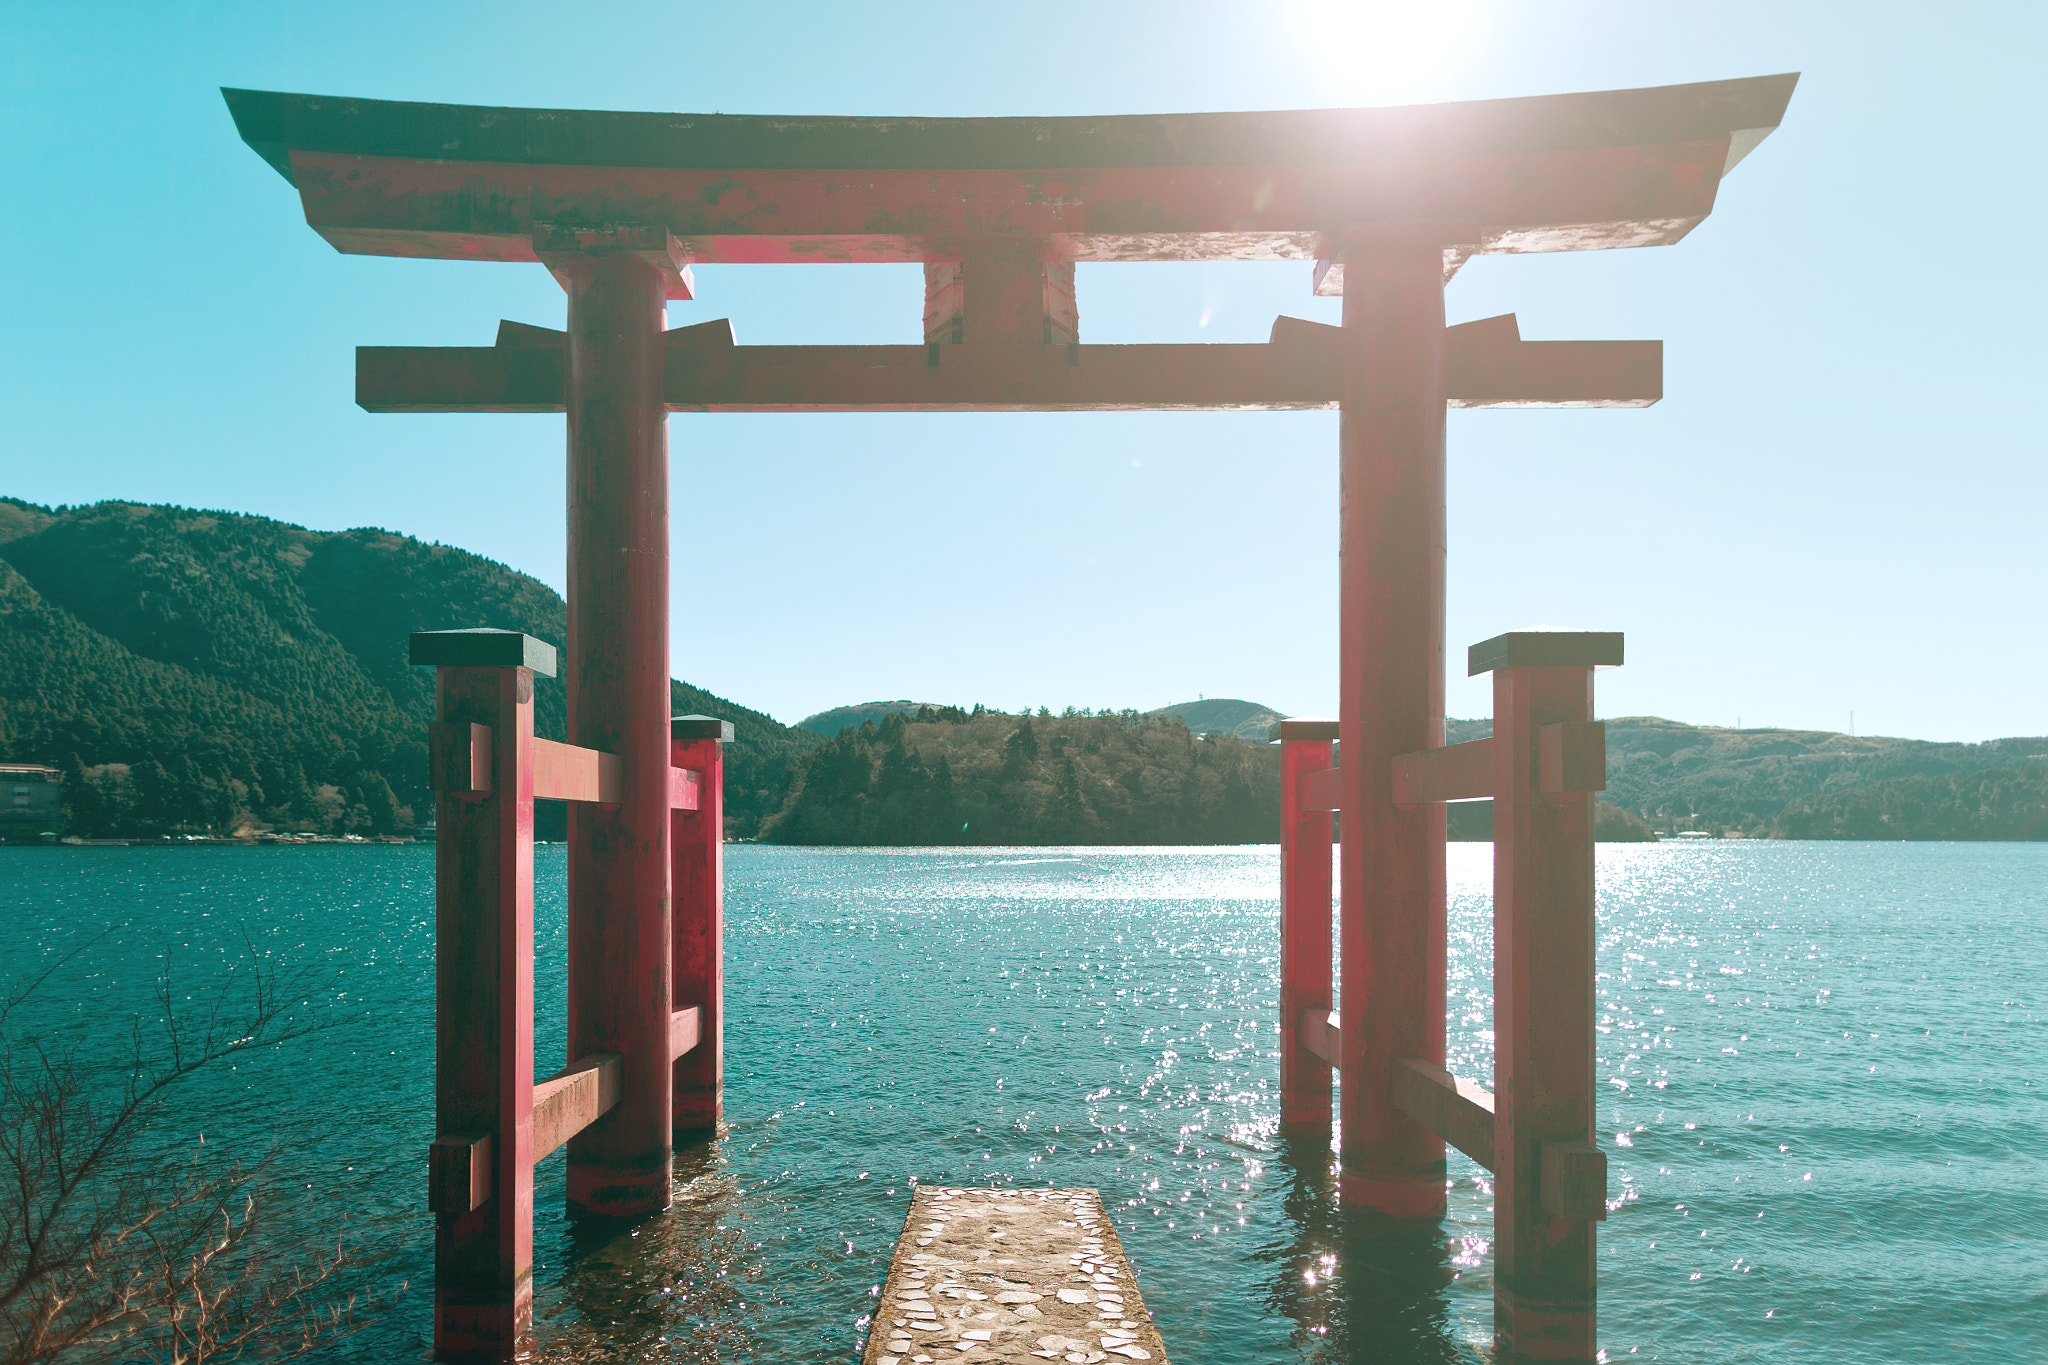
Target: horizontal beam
x,y
564,772
1455,1110
1572,756
459,1172
1642,179
1320,790
1488,365
275,124
685,1030
1572,1179
459,757
685,789
573,1098
1455,772
1300,372
1322,1033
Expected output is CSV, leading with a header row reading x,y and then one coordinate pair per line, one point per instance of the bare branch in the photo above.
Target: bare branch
x,y
107,1250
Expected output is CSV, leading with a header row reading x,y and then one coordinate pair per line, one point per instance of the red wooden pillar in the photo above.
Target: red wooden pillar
x,y
618,676
481,1164
1305,967
1391,441
697,873
1550,1180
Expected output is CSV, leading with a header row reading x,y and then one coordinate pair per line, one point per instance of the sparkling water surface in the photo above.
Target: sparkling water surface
x,y
1822,1099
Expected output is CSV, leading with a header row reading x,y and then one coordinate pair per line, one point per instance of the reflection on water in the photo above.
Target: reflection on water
x,y
1359,1287
665,1285
1821,1094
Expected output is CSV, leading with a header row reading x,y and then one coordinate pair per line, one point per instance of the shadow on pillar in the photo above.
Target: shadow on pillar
x,y
1359,1286
677,1286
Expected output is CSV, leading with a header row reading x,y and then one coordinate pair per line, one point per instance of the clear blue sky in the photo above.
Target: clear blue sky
x,y
1838,506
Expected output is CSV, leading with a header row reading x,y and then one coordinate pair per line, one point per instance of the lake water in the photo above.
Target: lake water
x,y
1823,1094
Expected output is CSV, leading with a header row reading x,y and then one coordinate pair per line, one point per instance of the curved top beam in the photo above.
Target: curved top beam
x,y
276,124
1553,172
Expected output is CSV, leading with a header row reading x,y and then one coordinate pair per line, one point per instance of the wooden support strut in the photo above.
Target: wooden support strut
x,y
1321,1033
1308,1058
480,1170
1549,1178
1458,1111
460,761
564,1104
696,843
495,1121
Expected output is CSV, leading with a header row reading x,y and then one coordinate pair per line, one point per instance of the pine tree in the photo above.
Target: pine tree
x,y
82,810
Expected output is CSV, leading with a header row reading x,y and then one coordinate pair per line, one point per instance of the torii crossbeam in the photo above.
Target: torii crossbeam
x,y
1388,202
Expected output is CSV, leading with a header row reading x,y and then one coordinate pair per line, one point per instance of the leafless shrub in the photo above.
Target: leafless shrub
x,y
112,1246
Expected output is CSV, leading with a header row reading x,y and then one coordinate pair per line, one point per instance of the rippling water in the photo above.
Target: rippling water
x,y
1823,1102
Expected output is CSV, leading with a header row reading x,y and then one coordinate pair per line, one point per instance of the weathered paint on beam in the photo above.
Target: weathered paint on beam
x,y
1010,1275
573,1098
685,1030
1557,172
1484,372
1487,364
566,772
1455,772
1321,1031
1456,1110
1321,790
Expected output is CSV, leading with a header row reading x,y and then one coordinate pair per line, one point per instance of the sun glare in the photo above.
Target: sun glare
x,y
1386,51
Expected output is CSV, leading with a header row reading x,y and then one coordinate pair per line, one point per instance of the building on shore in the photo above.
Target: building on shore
x,y
32,810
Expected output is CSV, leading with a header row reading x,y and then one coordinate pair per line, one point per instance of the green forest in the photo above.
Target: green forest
x,y
943,776
212,673
208,672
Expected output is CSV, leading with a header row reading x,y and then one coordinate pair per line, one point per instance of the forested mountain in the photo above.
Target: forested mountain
x,y
830,723
205,671
947,776
1224,716
1816,784
209,671
1805,784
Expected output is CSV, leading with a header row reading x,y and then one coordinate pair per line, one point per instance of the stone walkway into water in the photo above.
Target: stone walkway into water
x,y
1010,1275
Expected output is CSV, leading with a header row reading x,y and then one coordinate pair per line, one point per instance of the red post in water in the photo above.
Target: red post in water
x,y
697,874
618,674
481,1164
1305,967
1391,444
1550,1181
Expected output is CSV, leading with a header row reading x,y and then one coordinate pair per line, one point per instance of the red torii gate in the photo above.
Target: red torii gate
x,y
1389,202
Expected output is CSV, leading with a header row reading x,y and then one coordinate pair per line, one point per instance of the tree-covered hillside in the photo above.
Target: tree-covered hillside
x,y
949,776
209,671
2000,803
1247,720
204,671
830,723
1758,782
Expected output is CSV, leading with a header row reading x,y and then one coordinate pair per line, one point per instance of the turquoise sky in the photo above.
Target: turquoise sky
x,y
1838,507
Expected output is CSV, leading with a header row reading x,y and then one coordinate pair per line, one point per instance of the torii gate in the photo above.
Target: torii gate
x,y
1389,202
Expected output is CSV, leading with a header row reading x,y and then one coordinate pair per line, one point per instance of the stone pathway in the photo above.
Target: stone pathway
x,y
1010,1275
